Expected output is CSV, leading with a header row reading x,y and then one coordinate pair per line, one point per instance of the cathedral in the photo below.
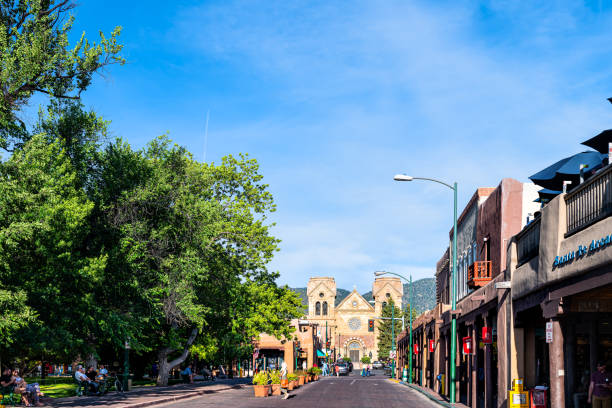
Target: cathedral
x,y
346,326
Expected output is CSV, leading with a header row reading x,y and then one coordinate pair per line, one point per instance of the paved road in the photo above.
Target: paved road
x,y
351,391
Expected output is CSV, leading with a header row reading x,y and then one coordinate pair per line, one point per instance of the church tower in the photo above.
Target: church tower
x,y
384,289
321,294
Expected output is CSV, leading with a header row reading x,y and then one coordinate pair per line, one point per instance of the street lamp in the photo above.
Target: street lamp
x,y
380,273
403,177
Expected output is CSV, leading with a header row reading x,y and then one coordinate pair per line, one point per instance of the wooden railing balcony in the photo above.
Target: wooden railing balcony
x,y
479,274
590,202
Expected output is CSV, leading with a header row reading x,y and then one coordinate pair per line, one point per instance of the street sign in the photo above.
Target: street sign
x,y
467,345
432,346
392,353
416,348
487,335
549,332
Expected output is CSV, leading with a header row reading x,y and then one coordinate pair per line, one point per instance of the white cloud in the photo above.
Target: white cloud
x,y
368,89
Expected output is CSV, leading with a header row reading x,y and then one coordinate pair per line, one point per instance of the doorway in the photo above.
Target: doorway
x,y
354,348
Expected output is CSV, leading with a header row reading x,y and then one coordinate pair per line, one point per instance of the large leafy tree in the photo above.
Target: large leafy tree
x,y
44,260
194,240
36,57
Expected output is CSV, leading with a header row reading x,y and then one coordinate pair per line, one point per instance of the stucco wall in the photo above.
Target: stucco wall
x,y
541,271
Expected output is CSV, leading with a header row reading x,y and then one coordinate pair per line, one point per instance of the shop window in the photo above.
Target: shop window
x,y
318,309
324,308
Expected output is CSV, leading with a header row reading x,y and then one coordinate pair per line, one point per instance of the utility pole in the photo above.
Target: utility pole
x,y
393,339
410,328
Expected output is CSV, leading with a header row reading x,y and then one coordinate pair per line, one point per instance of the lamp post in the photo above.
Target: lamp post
x,y
403,177
380,273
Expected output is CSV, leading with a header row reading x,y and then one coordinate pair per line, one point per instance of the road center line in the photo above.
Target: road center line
x,y
352,382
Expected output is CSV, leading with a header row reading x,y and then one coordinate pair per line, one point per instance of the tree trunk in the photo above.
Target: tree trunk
x,y
165,366
91,361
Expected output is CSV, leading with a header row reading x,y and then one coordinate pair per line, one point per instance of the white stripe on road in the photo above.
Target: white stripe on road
x,y
352,382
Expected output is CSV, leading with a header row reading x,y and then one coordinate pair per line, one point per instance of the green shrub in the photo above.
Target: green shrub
x,y
292,377
300,373
365,360
261,378
275,377
346,359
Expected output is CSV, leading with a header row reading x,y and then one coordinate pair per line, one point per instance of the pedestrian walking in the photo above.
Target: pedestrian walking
x,y
325,371
304,365
337,370
284,380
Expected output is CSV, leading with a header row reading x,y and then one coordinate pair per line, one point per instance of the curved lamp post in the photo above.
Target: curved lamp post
x,y
380,273
403,177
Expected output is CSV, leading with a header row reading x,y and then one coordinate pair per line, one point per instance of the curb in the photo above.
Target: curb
x,y
173,398
428,395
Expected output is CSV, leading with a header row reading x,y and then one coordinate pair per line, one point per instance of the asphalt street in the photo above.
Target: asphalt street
x,y
350,391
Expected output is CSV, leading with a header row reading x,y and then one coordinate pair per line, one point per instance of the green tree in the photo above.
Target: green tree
x,y
36,57
43,262
195,241
384,327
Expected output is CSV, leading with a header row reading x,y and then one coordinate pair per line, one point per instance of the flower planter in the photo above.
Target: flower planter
x,y
291,385
306,379
276,389
261,390
301,380
317,377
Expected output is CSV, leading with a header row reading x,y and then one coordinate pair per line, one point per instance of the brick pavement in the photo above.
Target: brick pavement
x,y
147,396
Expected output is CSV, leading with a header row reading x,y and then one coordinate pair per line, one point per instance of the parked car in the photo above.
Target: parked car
x,y
343,368
377,365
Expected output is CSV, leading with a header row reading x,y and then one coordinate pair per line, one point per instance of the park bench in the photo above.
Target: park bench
x,y
9,391
82,387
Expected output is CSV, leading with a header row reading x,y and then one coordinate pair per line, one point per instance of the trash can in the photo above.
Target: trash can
x,y
538,397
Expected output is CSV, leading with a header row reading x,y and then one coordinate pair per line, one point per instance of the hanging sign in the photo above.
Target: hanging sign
x,y
416,348
487,335
432,346
467,345
392,354
549,332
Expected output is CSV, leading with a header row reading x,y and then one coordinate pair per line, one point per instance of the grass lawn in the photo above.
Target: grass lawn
x,y
58,390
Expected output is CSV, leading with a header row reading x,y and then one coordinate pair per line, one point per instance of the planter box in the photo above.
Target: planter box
x,y
276,389
291,385
301,380
261,390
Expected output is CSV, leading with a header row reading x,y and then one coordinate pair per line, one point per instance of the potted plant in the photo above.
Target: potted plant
x,y
317,372
260,384
300,374
275,379
293,381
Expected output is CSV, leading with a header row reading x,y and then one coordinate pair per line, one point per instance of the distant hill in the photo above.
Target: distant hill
x,y
424,293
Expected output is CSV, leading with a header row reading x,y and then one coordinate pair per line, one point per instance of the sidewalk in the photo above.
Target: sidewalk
x,y
147,396
432,395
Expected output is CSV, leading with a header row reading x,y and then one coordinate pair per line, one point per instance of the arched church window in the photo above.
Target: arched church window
x,y
318,308
324,308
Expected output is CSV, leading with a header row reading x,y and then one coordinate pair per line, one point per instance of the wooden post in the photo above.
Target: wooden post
x,y
488,367
557,366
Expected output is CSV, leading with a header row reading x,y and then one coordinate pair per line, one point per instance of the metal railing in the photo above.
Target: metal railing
x,y
589,202
528,242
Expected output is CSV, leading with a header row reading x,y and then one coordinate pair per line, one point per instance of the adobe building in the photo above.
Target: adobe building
x,y
484,228
561,288
347,323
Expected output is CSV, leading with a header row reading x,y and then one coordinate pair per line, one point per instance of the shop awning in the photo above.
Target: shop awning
x,y
320,353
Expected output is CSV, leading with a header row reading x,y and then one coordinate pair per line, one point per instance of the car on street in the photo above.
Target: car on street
x,y
343,368
377,365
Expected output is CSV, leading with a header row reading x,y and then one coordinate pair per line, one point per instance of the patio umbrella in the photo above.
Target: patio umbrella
x,y
567,169
600,142
545,195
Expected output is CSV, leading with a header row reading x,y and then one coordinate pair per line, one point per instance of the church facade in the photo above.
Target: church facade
x,y
346,326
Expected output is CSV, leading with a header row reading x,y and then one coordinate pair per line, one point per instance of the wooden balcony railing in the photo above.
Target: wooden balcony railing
x,y
479,274
528,242
589,202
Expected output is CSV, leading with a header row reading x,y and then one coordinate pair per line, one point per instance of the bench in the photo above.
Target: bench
x,y
82,387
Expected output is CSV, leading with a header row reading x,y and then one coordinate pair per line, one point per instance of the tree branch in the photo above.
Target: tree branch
x,y
185,353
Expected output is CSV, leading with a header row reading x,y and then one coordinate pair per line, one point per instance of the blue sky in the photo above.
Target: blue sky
x,y
334,98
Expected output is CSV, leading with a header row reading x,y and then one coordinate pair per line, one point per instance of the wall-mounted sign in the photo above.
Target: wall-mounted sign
x,y
582,250
549,332
467,345
432,346
487,335
416,348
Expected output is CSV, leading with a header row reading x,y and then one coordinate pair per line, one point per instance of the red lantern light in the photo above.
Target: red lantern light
x,y
487,335
467,345
432,346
